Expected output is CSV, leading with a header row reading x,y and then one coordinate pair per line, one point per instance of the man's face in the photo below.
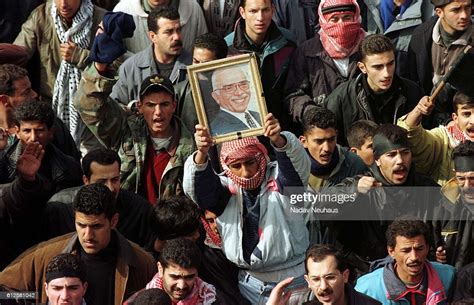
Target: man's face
x,y
158,109
464,118
320,143
201,55
246,168
379,69
258,17
22,93
108,175
455,16
65,291
155,3
395,165
167,39
232,90
94,231
366,151
465,180
326,281
178,282
34,131
341,17
410,255
68,8
211,219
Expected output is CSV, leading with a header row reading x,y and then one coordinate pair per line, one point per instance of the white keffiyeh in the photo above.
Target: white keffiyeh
x,y
69,76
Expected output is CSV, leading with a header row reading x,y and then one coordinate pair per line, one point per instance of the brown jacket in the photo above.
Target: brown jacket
x,y
135,267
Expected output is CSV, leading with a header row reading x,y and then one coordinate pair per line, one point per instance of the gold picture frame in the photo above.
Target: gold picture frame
x,y
230,103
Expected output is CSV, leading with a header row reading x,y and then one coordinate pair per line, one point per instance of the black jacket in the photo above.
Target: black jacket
x,y
135,214
312,76
350,102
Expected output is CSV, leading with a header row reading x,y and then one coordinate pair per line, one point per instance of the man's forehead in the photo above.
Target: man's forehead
x,y
322,267
177,270
230,76
465,174
394,151
165,23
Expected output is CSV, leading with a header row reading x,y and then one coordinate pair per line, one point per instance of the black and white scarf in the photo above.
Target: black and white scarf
x,y
68,76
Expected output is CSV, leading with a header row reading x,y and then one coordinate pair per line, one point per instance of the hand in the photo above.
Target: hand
x,y
204,142
272,131
441,255
67,51
366,183
278,296
29,162
425,106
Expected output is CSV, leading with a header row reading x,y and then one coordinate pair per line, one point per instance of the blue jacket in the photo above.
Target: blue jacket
x,y
439,284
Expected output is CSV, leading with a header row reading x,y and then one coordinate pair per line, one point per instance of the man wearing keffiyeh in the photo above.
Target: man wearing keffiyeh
x,y
259,232
432,149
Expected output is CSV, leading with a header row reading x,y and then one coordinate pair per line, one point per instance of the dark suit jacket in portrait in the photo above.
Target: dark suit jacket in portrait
x,y
225,122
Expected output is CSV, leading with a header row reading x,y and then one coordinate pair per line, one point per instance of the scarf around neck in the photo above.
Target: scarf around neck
x,y
68,77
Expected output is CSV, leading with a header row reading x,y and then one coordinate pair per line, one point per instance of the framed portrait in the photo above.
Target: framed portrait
x,y
228,97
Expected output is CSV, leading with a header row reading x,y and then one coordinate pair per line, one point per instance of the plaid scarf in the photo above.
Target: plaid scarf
x,y
456,135
342,39
202,293
68,76
212,238
243,149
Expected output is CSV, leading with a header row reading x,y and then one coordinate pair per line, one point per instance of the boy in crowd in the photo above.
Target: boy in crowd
x,y
360,140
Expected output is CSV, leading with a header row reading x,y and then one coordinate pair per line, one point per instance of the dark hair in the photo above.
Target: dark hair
x,y
103,156
182,252
8,74
166,12
175,217
392,132
153,296
213,43
359,132
407,226
68,262
468,301
318,117
461,99
319,252
243,2
95,199
465,149
375,44
35,111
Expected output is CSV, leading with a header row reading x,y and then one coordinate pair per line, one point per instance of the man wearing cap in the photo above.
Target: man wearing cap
x,y
323,62
435,45
259,233
152,144
458,208
385,192
66,280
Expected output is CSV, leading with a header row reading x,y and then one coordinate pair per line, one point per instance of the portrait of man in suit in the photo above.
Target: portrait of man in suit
x,y
231,90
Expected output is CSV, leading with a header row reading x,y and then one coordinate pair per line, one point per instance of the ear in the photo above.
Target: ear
x,y
46,288
377,162
85,180
345,275
4,100
361,67
139,106
215,96
439,12
454,116
353,149
51,132
242,12
303,141
390,251
114,220
306,277
17,131
151,35
85,288
160,269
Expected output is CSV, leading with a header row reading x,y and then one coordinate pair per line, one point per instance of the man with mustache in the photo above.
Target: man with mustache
x,y
435,45
231,91
410,278
165,56
116,268
458,208
432,149
377,94
327,275
389,188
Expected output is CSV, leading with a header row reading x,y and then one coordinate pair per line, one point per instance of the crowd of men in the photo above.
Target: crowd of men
x,y
359,188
